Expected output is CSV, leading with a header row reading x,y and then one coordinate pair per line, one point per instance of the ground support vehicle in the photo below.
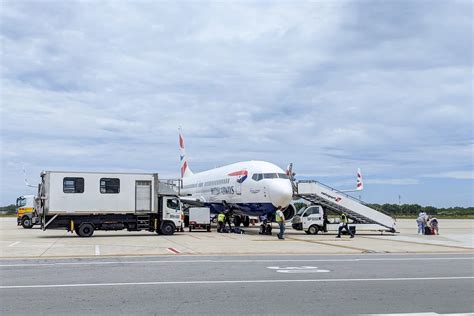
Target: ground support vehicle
x,y
326,199
199,218
313,219
25,211
83,202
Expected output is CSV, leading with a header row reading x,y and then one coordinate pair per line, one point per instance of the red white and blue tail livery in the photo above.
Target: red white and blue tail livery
x,y
247,188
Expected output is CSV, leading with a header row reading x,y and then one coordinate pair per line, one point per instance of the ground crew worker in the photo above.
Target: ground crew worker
x,y
343,225
220,222
227,220
280,219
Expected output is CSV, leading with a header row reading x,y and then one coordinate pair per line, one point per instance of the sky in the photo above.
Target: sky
x,y
332,86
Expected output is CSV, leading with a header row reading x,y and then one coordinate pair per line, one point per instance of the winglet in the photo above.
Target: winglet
x,y
185,171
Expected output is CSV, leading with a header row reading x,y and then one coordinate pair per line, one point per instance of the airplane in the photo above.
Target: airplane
x,y
247,188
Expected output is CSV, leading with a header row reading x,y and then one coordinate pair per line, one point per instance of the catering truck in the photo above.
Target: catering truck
x,y
83,202
26,215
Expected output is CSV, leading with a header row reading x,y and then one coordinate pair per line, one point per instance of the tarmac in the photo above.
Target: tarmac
x,y
54,272
456,236
244,285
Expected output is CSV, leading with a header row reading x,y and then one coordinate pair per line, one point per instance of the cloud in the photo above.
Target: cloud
x,y
330,86
465,175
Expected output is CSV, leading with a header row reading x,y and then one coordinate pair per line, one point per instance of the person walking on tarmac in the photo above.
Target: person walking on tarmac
x,y
343,225
220,222
280,219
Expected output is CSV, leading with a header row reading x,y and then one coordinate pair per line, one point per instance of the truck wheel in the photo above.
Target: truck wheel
x,y
167,228
190,228
26,222
313,229
209,228
246,221
85,230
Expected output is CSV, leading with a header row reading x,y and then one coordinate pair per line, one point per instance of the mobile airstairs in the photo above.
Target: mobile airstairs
x,y
339,202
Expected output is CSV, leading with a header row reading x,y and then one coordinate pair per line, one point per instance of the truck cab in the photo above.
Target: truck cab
x,y
311,219
25,211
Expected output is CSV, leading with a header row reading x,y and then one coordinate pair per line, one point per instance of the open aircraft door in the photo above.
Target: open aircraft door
x,y
241,178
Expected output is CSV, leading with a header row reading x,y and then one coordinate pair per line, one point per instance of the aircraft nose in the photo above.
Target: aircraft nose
x,y
281,194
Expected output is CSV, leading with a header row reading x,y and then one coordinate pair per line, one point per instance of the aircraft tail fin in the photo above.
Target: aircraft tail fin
x,y
185,171
360,183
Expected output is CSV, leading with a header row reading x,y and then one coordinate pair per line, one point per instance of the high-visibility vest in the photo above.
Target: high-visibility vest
x,y
344,219
221,217
278,217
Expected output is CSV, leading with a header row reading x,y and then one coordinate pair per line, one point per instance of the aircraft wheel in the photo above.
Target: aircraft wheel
x,y
237,221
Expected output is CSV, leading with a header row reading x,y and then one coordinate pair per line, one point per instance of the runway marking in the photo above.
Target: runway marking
x,y
303,269
7,287
230,261
97,250
173,250
421,314
13,244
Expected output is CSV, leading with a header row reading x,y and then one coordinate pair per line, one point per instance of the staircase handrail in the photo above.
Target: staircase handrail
x,y
344,194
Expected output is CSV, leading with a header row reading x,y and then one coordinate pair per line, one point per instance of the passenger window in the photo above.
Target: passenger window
x,y
109,185
73,185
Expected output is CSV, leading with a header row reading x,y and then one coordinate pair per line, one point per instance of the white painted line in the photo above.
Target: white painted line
x,y
13,244
421,314
228,261
97,250
303,269
230,282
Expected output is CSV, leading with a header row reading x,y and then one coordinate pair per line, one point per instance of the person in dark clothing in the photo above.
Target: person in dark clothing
x,y
227,220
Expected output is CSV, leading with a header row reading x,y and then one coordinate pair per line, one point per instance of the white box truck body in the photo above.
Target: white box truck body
x,y
88,201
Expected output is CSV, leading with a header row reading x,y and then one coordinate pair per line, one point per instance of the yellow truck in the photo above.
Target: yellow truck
x,y
25,211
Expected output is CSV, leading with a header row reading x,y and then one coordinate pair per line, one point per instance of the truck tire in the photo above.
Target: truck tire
x,y
167,228
85,230
208,228
190,228
26,222
313,230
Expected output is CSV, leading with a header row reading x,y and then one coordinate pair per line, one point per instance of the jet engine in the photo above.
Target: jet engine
x,y
289,212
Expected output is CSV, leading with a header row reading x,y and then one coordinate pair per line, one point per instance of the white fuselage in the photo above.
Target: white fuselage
x,y
249,187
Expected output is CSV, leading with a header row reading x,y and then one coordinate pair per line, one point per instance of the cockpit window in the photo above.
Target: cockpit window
x,y
270,175
260,176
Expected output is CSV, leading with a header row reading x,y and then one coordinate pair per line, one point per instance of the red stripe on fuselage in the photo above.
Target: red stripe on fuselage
x,y
238,173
